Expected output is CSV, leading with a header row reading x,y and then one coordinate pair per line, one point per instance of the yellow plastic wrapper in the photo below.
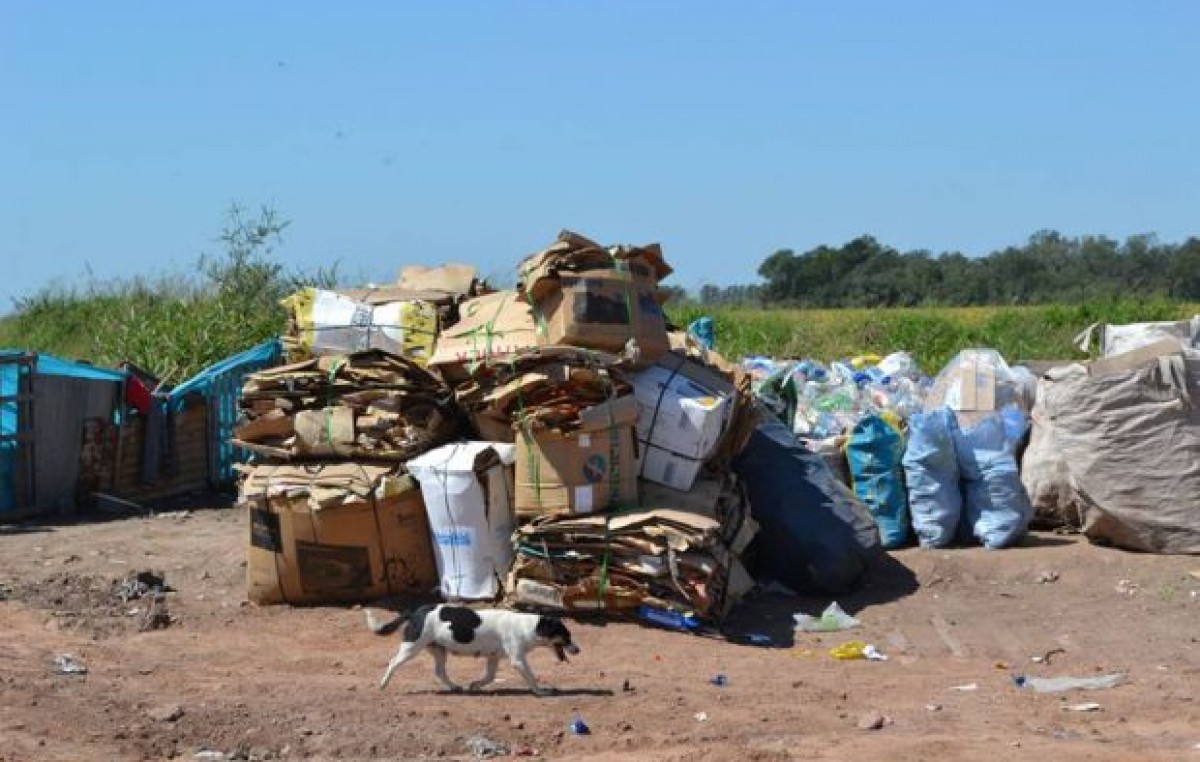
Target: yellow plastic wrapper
x,y
854,649
324,322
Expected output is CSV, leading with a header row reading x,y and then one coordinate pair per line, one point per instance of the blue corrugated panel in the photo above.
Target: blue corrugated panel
x,y
220,385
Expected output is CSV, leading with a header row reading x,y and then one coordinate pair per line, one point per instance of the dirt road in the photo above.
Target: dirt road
x,y
283,683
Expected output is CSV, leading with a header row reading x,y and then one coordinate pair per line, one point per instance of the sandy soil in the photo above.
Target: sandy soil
x,y
284,683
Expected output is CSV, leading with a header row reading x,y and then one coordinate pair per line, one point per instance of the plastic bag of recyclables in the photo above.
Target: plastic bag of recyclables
x,y
972,447
820,401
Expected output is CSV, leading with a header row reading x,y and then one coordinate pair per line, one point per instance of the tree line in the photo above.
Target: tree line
x,y
1049,268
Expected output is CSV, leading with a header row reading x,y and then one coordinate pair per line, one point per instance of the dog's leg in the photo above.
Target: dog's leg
x,y
489,676
407,651
522,666
439,667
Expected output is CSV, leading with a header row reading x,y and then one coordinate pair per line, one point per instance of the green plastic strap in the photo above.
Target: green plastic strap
x,y
602,588
627,280
534,462
538,319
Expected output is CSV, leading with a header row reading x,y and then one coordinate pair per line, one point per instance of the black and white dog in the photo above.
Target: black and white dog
x,y
487,632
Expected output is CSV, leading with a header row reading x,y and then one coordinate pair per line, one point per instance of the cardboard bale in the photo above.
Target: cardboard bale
x,y
490,330
322,322
545,388
589,296
588,469
684,411
716,495
370,405
335,533
614,563
468,494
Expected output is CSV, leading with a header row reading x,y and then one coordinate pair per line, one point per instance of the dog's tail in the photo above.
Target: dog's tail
x,y
383,628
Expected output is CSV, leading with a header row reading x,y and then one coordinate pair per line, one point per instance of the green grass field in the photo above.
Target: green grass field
x,y
932,335
174,331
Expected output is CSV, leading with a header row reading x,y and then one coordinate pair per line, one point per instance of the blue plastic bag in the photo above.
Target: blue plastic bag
x,y
702,330
931,468
816,537
875,453
995,505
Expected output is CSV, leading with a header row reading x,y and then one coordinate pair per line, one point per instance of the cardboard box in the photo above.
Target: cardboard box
x,y
605,309
583,471
598,297
684,411
491,328
335,533
467,488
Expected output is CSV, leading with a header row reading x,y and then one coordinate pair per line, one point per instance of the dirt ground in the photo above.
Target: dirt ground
x,y
300,683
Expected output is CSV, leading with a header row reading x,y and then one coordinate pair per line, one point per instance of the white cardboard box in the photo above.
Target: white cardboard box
x,y
684,409
468,488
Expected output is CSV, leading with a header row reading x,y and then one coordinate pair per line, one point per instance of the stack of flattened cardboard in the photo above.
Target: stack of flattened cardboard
x,y
603,298
571,413
335,532
370,405
613,563
490,330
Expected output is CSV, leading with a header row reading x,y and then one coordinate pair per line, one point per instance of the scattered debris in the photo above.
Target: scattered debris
x,y
965,687
832,619
166,713
1090,706
1045,658
66,664
481,747
856,649
1056,684
579,727
141,584
1127,587
174,515
872,721
1047,577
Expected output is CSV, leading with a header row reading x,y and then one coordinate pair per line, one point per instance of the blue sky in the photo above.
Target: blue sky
x,y
397,133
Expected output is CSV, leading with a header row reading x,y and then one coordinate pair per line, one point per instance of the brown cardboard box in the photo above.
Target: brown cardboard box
x,y
491,328
604,309
584,471
335,533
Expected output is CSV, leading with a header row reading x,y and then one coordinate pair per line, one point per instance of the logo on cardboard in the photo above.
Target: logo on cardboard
x,y
594,468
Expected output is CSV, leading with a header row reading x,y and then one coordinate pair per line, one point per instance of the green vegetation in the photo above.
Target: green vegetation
x,y
933,334
1049,269
172,326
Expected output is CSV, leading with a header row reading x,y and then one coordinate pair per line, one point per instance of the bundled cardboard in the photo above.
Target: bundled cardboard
x,y
467,488
589,296
614,563
335,533
543,388
684,411
366,405
719,496
591,468
322,322
490,330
